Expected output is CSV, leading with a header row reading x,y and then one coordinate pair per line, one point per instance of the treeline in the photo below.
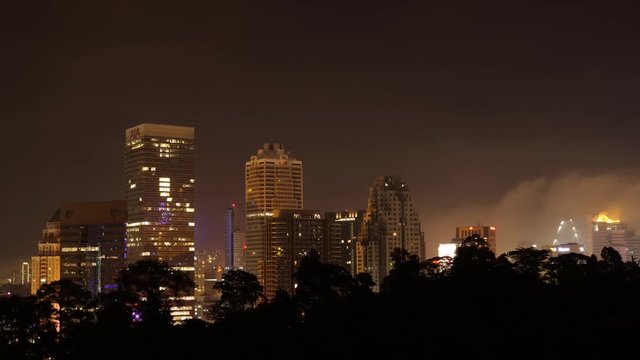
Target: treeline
x,y
520,304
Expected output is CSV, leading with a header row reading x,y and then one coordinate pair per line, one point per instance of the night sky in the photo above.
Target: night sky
x,y
511,113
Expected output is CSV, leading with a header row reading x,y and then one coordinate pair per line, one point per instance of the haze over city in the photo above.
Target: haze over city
x,y
496,113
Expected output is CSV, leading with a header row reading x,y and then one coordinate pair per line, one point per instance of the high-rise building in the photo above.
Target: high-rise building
x,y
341,235
229,228
239,250
488,233
45,267
25,273
92,242
209,269
390,222
609,232
273,180
159,170
291,234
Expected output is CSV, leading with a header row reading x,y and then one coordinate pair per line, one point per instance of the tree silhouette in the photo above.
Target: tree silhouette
x,y
239,290
473,258
150,287
611,260
71,304
529,262
319,282
405,276
27,331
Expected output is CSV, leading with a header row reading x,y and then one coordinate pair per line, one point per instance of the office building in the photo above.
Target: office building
x,y
209,270
159,171
273,180
291,234
92,243
341,235
45,267
390,222
610,232
229,228
25,273
567,248
239,250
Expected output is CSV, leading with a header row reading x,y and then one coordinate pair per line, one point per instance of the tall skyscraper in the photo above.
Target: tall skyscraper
x,y
229,228
390,222
239,250
486,232
609,232
341,235
45,267
92,239
159,170
273,180
291,234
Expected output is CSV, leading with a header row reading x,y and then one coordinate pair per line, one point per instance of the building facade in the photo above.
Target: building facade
x,y
342,229
25,273
209,270
391,221
229,228
159,171
273,180
45,267
291,235
609,232
239,250
92,243
488,233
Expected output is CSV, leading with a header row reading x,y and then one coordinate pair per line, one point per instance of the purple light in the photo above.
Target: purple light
x,y
136,316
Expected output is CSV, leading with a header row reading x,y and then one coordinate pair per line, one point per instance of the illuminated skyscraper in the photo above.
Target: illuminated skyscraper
x,y
45,267
92,240
391,222
25,273
291,234
609,232
486,232
159,171
229,228
341,235
273,180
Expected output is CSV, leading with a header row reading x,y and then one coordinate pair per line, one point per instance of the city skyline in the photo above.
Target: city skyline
x,y
492,114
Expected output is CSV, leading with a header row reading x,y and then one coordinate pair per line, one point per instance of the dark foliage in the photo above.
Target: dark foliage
x,y
523,303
